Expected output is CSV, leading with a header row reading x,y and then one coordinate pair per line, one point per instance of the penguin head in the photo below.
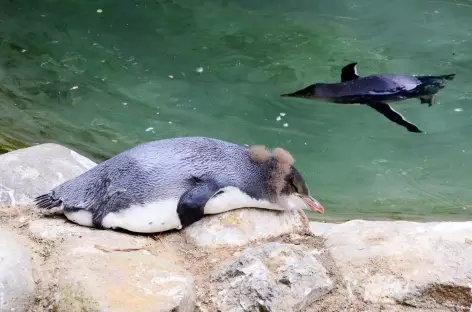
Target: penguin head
x,y
305,93
285,181
295,183
295,192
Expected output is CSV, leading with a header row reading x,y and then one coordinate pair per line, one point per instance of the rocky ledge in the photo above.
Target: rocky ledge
x,y
229,262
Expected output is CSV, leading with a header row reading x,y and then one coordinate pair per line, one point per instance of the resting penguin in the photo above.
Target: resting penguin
x,y
172,183
377,91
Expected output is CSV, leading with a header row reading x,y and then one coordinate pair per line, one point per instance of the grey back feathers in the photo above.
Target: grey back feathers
x,y
371,85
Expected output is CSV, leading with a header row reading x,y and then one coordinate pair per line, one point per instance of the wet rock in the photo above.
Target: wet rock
x,y
16,280
29,172
242,226
100,270
425,265
274,277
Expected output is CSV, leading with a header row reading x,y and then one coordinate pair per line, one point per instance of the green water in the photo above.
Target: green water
x,y
97,81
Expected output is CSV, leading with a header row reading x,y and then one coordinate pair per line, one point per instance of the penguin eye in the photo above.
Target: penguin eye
x,y
218,193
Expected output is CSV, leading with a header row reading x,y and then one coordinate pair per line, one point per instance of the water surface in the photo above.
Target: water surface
x,y
102,76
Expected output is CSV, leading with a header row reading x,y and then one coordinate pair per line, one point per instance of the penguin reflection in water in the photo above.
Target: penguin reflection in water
x,y
169,184
377,91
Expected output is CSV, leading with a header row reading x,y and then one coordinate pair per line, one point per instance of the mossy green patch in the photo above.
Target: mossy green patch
x,y
230,219
72,299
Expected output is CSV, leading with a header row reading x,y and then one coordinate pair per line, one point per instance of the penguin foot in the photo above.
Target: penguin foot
x,y
394,116
413,128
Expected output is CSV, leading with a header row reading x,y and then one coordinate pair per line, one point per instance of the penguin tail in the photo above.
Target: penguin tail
x,y
430,79
448,77
47,201
445,77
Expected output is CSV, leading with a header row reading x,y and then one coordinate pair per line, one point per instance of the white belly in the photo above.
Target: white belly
x,y
162,215
82,217
149,218
232,198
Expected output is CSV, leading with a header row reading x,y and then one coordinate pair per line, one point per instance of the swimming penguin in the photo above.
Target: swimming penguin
x,y
171,183
377,91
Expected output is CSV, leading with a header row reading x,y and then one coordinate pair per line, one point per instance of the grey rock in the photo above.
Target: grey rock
x,y
29,172
320,228
273,277
242,226
424,265
94,276
17,288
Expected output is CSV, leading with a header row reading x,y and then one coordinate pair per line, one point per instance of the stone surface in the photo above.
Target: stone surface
x,y
16,279
29,172
274,277
95,277
242,226
417,264
320,228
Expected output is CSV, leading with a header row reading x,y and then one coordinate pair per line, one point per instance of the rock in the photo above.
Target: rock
x,y
273,277
94,277
29,172
320,228
423,265
60,228
242,226
16,278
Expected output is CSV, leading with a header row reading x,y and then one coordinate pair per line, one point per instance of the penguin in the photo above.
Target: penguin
x,y
377,91
170,184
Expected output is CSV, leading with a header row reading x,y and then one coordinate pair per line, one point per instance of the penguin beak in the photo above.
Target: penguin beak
x,y
312,203
302,93
295,94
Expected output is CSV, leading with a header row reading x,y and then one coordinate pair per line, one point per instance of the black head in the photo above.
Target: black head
x,y
285,182
295,185
305,93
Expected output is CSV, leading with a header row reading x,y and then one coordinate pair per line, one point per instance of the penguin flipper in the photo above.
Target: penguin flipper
x,y
394,116
349,72
190,207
